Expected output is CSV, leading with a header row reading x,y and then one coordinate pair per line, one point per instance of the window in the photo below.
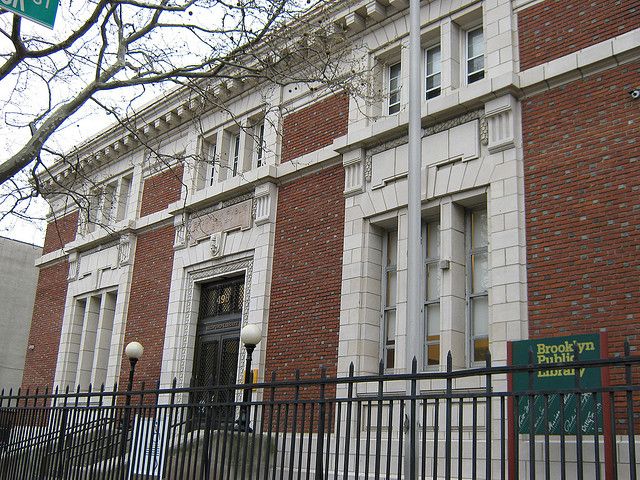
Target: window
x,y
258,136
394,85
90,339
431,234
123,197
107,204
477,283
475,55
433,72
389,288
211,163
234,153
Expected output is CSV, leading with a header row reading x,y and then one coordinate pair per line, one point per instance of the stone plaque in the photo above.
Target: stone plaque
x,y
223,220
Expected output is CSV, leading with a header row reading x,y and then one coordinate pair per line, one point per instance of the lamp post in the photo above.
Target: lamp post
x,y
250,337
133,351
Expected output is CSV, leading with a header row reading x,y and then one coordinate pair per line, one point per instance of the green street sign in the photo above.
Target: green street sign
x,y
39,11
549,412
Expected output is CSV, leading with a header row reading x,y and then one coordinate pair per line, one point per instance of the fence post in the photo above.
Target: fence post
x,y
347,435
62,435
630,419
532,423
579,459
447,441
321,421
412,424
487,409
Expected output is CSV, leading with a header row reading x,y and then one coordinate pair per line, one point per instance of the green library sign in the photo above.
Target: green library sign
x,y
39,11
548,411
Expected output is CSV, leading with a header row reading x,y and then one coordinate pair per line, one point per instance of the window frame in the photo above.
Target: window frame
x,y
471,251
428,91
211,176
99,348
385,345
469,74
234,154
258,144
396,91
429,260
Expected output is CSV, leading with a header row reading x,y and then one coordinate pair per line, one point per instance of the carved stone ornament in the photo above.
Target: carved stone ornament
x,y
226,219
431,130
74,267
216,244
124,250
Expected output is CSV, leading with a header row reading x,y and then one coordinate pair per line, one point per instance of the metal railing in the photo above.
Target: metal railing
x,y
451,424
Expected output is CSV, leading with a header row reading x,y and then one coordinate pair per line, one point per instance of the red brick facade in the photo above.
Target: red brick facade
x,y
161,190
46,324
554,28
304,316
60,232
314,127
148,301
582,179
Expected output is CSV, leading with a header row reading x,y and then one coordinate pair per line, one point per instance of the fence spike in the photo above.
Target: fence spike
x,y
351,369
414,365
627,347
381,367
487,358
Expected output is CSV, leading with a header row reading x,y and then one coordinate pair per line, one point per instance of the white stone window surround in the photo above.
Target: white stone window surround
x,y
232,148
86,355
452,263
105,268
108,203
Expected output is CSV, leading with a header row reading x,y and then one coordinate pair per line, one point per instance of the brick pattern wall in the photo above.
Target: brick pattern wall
x,y
46,324
315,126
582,180
161,189
554,28
60,232
148,302
307,268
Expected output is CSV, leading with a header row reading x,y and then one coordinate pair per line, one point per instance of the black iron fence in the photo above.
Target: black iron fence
x,y
465,424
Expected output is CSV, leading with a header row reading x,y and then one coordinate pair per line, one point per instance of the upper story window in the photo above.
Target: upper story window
x,y
431,235
475,55
108,203
389,290
394,85
478,283
211,162
234,154
433,71
259,147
